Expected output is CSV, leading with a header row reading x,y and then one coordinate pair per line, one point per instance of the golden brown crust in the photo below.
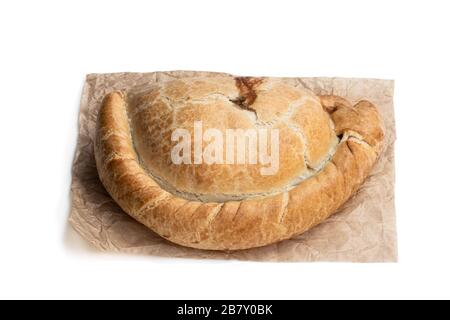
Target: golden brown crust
x,y
125,133
307,138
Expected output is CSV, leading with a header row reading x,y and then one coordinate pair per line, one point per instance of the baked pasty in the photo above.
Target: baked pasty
x,y
227,163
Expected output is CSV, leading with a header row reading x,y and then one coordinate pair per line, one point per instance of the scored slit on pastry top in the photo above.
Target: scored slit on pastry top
x,y
249,219
247,92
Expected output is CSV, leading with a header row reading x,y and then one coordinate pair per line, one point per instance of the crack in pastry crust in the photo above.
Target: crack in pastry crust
x,y
244,220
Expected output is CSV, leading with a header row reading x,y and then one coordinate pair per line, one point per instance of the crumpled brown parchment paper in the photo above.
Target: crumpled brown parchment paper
x,y
362,231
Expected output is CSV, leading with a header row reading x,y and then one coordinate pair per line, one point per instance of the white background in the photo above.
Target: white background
x,y
46,49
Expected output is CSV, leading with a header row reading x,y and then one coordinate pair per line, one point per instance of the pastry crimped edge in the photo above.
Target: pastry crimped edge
x,y
247,223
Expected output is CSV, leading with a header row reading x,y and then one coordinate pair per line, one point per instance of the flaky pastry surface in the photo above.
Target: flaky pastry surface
x,y
327,149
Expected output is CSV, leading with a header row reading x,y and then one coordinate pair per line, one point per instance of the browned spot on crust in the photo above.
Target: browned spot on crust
x,y
247,93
